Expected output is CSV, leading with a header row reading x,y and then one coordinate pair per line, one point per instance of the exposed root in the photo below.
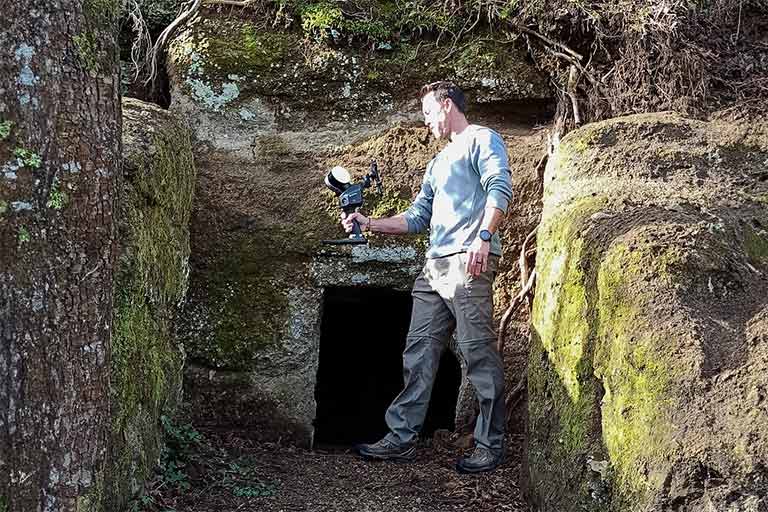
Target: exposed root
x,y
142,41
513,397
513,306
187,14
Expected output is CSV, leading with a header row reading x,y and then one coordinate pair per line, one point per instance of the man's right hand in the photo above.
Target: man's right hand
x,y
346,221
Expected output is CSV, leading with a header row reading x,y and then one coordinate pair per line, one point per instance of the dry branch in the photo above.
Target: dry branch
x,y
549,41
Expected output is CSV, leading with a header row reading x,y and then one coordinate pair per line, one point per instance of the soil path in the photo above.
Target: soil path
x,y
229,472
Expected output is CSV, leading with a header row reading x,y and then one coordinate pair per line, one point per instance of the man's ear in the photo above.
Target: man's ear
x,y
448,105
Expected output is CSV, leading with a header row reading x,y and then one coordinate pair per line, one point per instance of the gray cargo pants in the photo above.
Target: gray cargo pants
x,y
445,298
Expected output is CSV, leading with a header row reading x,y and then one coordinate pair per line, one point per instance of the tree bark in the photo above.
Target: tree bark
x,y
59,177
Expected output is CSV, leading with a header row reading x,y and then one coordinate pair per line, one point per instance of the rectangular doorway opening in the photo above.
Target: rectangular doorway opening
x,y
360,371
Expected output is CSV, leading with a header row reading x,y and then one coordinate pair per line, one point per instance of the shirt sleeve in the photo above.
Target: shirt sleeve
x,y
489,159
419,214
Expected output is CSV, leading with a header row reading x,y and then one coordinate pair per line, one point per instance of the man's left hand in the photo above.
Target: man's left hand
x,y
477,257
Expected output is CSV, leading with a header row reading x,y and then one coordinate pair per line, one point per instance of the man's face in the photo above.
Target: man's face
x,y
435,115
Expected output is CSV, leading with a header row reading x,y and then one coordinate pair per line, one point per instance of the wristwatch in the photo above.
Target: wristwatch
x,y
485,235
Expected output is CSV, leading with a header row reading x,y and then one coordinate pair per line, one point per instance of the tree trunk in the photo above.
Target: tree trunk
x,y
59,176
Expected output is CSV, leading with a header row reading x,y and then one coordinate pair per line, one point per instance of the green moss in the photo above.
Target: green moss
x,y
93,500
142,346
591,366
3,207
166,187
389,203
756,246
370,20
247,306
582,139
237,48
151,281
3,504
87,51
562,370
632,366
102,9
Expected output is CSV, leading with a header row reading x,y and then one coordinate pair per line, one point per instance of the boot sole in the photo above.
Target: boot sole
x,y
483,469
408,455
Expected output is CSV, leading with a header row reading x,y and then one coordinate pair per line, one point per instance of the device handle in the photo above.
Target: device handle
x,y
356,231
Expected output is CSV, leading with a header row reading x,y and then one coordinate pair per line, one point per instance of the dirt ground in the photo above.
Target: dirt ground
x,y
228,470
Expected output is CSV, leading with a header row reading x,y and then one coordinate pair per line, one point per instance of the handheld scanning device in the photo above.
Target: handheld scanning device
x,y
350,196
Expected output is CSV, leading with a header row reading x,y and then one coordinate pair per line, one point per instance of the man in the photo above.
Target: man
x,y
463,197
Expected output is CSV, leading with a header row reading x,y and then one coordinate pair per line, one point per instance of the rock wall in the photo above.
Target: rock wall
x,y
647,386
151,283
271,112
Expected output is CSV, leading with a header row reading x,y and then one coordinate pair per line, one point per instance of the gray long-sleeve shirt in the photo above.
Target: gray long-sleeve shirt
x,y
468,175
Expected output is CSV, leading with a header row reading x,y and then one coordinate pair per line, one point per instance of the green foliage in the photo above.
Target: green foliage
x,y
3,504
318,18
3,207
28,158
371,20
239,478
5,131
215,470
142,502
250,491
180,440
56,198
23,235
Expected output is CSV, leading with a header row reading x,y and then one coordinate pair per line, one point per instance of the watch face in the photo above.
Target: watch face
x,y
485,235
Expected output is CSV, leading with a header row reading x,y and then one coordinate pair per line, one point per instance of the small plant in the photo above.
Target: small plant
x,y
56,198
141,503
179,442
5,131
23,235
319,19
172,471
28,158
253,491
242,482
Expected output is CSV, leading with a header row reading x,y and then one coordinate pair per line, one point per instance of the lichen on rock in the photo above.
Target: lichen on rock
x,y
308,80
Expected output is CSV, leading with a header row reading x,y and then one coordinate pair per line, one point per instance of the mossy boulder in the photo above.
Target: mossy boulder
x,y
151,281
650,321
263,76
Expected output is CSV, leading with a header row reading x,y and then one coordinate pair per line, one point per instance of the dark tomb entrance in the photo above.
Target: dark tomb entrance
x,y
360,371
